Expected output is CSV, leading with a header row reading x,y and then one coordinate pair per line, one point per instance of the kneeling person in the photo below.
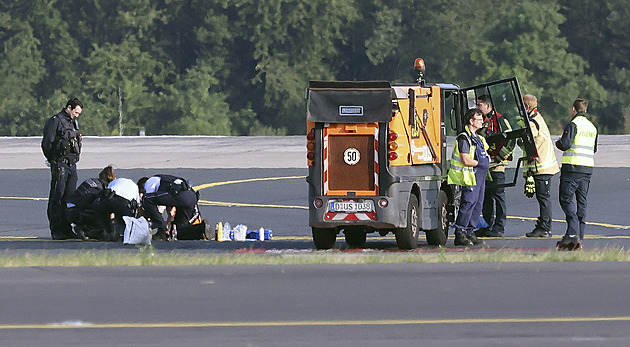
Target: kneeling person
x,y
177,192
121,198
80,211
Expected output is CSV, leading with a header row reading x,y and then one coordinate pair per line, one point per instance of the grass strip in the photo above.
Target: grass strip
x,y
148,256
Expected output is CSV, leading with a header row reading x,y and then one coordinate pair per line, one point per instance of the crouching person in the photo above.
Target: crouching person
x,y
180,200
80,211
121,198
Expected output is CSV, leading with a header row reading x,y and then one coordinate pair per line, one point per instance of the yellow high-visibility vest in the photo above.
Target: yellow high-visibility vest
x,y
459,173
582,150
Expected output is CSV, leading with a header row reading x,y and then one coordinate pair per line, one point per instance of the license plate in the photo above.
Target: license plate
x,y
351,206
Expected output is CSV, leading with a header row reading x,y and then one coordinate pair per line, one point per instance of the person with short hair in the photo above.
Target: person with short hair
x,y
469,169
494,205
61,145
579,144
79,207
121,198
172,192
542,168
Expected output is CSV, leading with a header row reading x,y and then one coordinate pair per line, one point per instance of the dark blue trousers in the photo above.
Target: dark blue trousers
x,y
470,208
573,192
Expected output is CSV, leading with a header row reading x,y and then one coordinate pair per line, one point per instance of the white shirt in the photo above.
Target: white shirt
x,y
152,185
125,188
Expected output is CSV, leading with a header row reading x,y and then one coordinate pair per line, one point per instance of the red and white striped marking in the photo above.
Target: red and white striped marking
x,y
336,216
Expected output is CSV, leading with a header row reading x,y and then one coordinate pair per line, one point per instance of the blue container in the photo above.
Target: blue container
x,y
254,234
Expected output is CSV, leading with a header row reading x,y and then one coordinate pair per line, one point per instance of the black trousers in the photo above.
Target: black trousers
x,y
543,196
494,206
62,184
185,201
117,205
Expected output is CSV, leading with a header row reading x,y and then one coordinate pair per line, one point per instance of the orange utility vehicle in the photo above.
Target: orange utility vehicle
x,y
378,155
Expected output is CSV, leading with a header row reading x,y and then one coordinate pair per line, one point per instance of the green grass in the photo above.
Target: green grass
x,y
148,256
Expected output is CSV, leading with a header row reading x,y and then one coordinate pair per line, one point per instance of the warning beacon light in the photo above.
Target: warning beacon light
x,y
418,65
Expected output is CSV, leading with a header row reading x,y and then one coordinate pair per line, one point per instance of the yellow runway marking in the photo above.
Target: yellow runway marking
x,y
22,198
606,225
215,184
292,238
17,238
377,322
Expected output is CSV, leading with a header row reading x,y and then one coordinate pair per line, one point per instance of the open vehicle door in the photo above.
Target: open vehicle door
x,y
505,96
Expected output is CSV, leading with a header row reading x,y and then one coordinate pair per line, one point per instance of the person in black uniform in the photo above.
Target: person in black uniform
x,y
80,210
120,198
61,145
170,191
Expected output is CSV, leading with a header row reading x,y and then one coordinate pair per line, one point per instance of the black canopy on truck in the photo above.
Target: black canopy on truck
x,y
349,102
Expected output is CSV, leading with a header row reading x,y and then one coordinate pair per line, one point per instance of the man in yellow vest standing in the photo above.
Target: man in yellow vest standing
x,y
539,171
579,143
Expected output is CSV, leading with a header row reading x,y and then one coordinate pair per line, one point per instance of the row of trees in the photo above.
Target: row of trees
x,y
237,67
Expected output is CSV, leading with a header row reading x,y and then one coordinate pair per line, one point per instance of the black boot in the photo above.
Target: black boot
x,y
475,241
462,240
537,232
569,243
112,234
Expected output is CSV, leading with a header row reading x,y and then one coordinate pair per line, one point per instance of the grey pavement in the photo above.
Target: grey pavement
x,y
214,152
166,152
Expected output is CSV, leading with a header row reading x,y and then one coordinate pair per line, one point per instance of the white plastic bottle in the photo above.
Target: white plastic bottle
x,y
174,233
261,234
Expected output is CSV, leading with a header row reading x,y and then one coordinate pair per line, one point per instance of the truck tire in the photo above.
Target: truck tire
x,y
355,237
324,238
407,238
438,237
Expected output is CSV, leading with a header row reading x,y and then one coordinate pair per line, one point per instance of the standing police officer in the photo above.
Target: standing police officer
x,y
579,143
61,145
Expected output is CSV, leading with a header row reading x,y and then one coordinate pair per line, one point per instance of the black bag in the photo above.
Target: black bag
x,y
201,231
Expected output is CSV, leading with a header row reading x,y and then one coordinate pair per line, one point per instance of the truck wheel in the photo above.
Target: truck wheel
x,y
438,237
355,237
407,238
324,238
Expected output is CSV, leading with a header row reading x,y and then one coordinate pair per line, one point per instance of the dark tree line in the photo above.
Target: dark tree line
x,y
236,67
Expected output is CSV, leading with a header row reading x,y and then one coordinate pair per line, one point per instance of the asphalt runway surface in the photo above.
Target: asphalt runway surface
x,y
506,304
471,304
